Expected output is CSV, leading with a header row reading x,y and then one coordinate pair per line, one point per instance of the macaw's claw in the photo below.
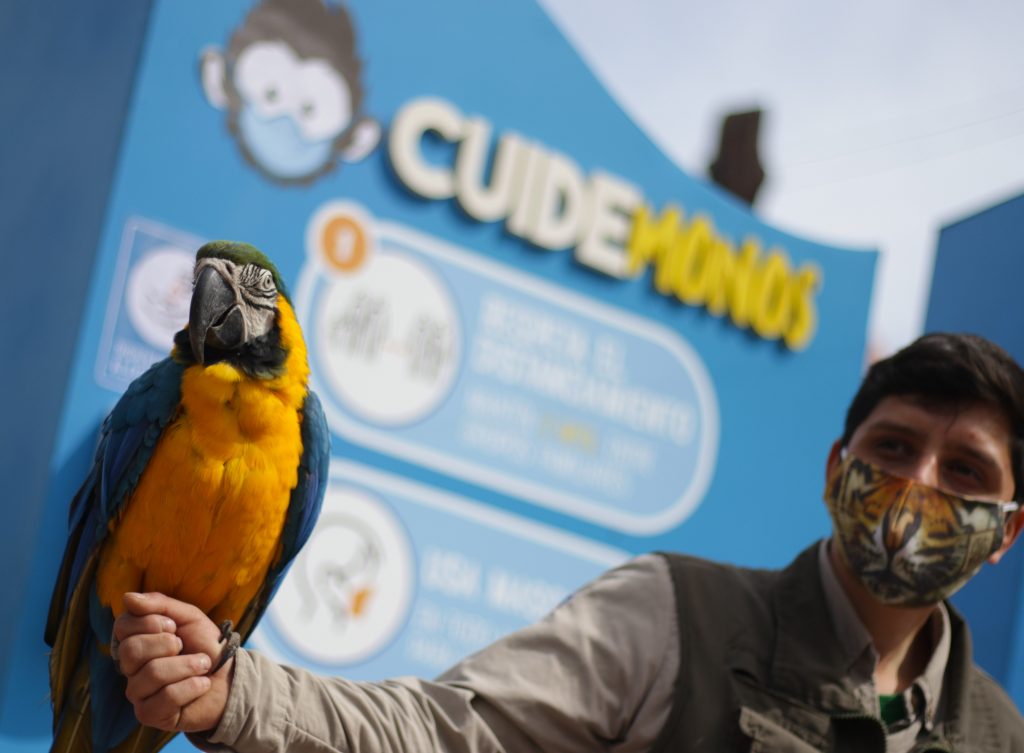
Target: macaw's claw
x,y
115,644
231,641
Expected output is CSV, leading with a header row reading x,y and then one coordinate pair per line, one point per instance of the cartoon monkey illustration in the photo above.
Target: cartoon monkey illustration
x,y
291,85
339,571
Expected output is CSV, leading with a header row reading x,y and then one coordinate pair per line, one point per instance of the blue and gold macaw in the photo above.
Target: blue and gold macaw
x,y
208,478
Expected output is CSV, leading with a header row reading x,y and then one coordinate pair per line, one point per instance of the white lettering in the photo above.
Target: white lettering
x,y
486,202
560,205
404,146
609,217
451,573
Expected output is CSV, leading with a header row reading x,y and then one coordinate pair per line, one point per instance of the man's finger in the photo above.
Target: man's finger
x,y
142,604
163,709
163,672
129,624
136,651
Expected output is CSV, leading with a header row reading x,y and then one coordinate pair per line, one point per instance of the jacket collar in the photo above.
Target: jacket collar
x,y
821,678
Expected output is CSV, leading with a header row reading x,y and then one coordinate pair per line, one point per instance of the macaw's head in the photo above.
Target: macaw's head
x,y
233,316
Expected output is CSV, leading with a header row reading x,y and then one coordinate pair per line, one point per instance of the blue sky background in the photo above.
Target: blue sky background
x,y
884,121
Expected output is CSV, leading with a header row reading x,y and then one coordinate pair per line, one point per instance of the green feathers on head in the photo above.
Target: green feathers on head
x,y
241,254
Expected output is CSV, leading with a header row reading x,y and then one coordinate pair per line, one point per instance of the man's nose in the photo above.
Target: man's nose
x,y
925,469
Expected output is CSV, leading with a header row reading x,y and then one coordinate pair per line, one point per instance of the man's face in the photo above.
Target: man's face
x,y
963,450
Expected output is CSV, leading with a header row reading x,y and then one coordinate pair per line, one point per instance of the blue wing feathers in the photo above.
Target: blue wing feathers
x,y
315,462
127,438
307,496
122,451
126,442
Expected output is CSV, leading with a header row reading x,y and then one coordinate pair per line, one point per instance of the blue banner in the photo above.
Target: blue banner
x,y
540,346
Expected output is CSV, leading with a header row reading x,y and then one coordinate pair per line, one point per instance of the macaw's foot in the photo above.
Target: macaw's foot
x,y
231,641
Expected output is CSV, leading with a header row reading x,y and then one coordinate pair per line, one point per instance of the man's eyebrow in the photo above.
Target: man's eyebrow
x,y
897,426
981,456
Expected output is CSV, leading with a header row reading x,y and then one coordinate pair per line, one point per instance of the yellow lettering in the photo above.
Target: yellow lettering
x,y
804,319
650,239
722,268
699,267
692,266
739,290
771,299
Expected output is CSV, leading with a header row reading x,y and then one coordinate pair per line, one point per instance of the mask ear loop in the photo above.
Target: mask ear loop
x,y
1008,508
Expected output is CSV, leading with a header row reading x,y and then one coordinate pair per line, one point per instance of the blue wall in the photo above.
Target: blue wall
x,y
976,288
66,80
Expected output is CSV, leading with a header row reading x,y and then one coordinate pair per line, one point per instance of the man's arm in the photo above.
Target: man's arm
x,y
596,674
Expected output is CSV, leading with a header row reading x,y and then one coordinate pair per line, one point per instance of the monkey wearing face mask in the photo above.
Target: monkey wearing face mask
x,y
290,83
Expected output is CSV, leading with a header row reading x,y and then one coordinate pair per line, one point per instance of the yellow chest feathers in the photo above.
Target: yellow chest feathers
x,y
206,517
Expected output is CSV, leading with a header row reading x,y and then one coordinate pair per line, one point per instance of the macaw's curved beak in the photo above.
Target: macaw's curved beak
x,y
214,318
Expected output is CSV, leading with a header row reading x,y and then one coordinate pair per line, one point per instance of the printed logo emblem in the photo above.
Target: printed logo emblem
x,y
290,83
387,332
158,295
350,588
148,300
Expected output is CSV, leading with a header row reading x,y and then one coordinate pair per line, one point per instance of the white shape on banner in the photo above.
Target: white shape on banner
x,y
390,335
350,588
588,426
158,295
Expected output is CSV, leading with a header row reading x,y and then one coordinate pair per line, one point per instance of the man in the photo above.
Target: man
x,y
852,647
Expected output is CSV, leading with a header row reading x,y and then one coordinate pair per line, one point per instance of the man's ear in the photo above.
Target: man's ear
x,y
1014,526
833,458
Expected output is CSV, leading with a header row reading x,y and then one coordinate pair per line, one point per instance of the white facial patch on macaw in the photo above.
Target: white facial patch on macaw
x,y
289,84
254,291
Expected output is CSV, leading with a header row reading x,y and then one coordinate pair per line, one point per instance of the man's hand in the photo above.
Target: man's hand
x,y
166,647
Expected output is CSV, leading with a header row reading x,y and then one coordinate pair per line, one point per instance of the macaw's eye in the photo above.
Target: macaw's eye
x,y
257,278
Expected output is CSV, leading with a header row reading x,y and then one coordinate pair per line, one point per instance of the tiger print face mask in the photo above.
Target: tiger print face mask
x,y
908,543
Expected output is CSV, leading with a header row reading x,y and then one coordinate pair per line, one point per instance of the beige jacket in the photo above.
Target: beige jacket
x,y
597,674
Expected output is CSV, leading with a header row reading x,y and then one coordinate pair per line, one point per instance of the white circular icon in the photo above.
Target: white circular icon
x,y
158,295
349,590
390,339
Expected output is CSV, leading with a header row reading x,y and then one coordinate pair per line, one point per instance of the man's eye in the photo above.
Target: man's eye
x,y
964,471
892,446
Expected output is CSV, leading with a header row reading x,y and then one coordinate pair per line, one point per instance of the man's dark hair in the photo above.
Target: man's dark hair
x,y
949,370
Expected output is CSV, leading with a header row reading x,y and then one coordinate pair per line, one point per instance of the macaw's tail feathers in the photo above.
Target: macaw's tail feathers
x,y
67,657
74,735
73,729
60,590
144,740
95,716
